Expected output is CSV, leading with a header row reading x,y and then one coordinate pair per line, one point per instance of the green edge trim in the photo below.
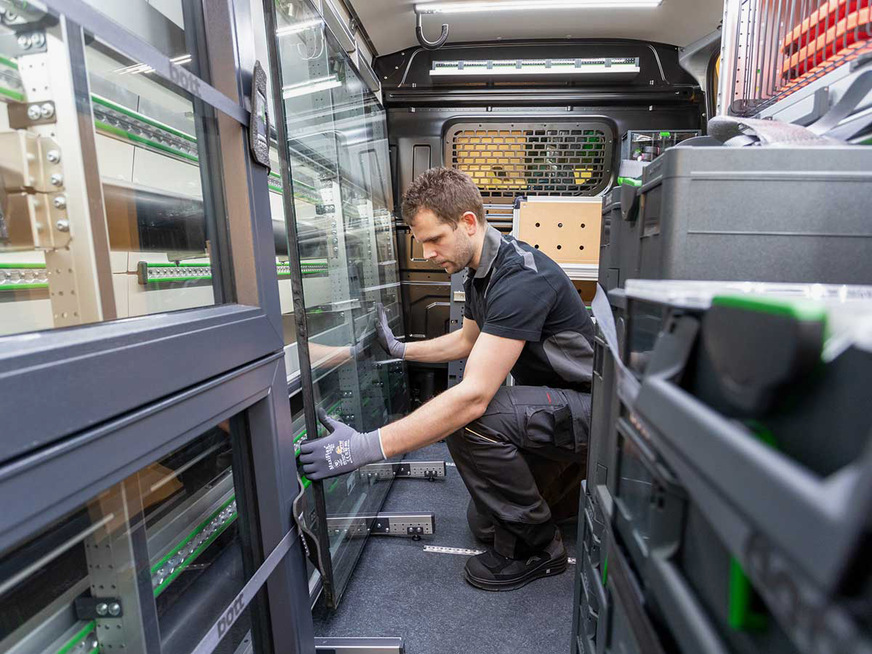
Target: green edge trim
x,y
15,287
9,93
104,127
142,118
9,266
8,62
799,309
740,613
193,533
306,482
629,181
605,570
72,642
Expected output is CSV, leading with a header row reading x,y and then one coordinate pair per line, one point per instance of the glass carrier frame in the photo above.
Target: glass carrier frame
x,y
222,367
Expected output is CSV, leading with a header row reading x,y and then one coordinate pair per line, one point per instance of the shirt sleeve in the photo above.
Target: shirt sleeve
x,y
467,291
518,304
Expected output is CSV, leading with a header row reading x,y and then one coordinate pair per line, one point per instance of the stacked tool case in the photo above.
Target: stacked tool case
x,y
728,512
783,214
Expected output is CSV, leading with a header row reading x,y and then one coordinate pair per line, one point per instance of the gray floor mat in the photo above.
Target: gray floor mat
x,y
400,590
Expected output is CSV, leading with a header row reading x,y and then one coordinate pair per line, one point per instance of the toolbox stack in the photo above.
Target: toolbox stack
x,y
729,482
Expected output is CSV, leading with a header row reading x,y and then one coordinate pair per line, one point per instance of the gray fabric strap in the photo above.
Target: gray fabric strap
x,y
627,384
849,101
770,133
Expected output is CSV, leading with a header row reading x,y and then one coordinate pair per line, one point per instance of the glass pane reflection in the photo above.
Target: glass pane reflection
x,y
161,550
337,149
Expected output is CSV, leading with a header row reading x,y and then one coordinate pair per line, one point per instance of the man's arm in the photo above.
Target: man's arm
x,y
450,347
489,363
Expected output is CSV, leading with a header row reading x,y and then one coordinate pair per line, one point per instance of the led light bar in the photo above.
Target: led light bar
x,y
528,5
506,67
312,86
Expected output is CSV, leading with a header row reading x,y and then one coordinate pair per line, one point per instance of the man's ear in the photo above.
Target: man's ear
x,y
469,222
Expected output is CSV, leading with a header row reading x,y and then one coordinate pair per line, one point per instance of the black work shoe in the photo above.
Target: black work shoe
x,y
492,571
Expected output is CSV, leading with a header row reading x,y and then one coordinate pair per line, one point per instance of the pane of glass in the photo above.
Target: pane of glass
x,y
160,23
149,155
161,551
338,154
65,258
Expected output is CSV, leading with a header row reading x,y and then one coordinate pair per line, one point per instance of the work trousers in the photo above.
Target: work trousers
x,y
521,460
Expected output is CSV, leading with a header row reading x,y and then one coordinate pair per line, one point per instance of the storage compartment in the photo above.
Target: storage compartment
x,y
769,214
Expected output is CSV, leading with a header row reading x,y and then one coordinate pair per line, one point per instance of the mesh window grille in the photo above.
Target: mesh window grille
x,y
508,160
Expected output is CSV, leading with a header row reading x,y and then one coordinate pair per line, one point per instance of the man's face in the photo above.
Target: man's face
x,y
449,247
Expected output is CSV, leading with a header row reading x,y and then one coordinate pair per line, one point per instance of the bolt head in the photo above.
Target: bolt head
x,y
60,202
57,179
54,156
63,225
33,112
102,608
47,110
24,42
37,40
114,609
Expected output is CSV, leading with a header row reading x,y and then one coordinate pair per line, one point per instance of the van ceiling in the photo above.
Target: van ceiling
x,y
391,23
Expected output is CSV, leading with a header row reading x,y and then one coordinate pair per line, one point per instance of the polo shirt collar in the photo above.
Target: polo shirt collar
x,y
489,250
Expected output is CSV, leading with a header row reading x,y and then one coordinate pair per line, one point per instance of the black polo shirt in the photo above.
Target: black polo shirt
x,y
519,293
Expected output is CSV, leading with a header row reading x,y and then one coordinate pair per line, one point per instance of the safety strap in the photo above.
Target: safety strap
x,y
627,384
742,132
849,101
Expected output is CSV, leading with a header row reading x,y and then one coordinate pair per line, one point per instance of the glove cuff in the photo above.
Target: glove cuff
x,y
374,451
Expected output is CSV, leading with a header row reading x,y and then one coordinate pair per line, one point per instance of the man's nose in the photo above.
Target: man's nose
x,y
429,253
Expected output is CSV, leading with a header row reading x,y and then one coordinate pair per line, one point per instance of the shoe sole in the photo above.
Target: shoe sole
x,y
549,570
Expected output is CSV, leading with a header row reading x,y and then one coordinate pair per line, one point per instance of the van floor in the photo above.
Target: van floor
x,y
400,590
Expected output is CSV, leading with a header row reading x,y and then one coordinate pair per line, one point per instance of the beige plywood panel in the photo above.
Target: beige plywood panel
x,y
567,231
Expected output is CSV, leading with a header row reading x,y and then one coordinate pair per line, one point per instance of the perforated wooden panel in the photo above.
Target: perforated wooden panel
x,y
508,160
567,231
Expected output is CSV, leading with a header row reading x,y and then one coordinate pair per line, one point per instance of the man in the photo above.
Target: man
x,y
511,444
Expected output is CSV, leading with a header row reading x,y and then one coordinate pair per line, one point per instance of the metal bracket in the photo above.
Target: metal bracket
x,y
429,470
92,608
412,525
359,646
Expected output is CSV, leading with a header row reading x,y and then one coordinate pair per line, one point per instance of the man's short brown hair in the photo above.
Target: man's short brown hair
x,y
446,192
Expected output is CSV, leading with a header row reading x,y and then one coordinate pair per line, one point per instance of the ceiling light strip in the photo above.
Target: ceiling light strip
x,y
529,5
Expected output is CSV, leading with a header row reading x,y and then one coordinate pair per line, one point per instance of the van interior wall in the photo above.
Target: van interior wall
x,y
421,108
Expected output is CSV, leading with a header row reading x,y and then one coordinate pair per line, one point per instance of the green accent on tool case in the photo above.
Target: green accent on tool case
x,y
799,309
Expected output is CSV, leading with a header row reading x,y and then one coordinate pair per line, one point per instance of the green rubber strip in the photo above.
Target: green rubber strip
x,y
193,533
629,181
802,310
9,93
306,482
8,266
8,62
72,642
194,555
605,570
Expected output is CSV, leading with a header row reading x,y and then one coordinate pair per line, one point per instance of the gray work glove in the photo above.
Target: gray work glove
x,y
386,337
342,450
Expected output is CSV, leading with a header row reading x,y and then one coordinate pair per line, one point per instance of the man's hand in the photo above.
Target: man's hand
x,y
386,337
342,450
